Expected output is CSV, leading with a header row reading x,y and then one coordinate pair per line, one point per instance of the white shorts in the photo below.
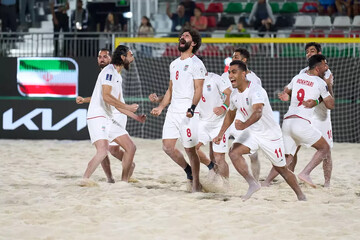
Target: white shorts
x,y
98,128
117,127
272,148
177,125
297,131
208,131
325,128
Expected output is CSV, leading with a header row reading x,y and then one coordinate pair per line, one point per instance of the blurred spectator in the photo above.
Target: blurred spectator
x,y
60,21
111,23
79,18
356,7
22,9
189,6
326,7
145,28
198,21
237,30
261,17
343,6
179,19
8,15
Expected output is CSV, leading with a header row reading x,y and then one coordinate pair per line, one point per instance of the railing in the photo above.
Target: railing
x,y
87,44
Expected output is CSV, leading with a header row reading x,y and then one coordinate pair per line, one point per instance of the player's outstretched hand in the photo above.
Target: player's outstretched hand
x,y
309,103
217,139
141,118
156,111
79,100
154,98
239,125
133,107
218,111
283,96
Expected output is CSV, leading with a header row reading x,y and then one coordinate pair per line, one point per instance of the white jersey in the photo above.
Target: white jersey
x,y
97,107
265,127
182,75
252,77
212,96
305,87
321,112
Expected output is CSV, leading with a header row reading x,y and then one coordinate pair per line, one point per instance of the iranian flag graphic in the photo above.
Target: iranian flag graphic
x,y
47,77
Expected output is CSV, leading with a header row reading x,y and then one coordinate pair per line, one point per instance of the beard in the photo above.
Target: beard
x,y
185,47
127,65
102,65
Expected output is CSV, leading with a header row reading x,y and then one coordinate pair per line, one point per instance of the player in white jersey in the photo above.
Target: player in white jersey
x,y
187,74
212,108
104,59
243,55
305,90
263,132
321,118
107,96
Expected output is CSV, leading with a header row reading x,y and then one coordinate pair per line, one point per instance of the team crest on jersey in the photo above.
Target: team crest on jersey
x,y
108,77
247,101
186,67
208,87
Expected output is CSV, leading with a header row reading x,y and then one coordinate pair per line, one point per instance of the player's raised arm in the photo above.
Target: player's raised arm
x,y
255,116
165,101
220,110
229,118
110,99
140,118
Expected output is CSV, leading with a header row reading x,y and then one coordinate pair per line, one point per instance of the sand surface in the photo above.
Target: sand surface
x,y
40,198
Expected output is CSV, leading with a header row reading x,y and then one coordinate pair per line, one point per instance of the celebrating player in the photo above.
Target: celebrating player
x,y
261,130
103,59
187,74
305,90
103,127
244,56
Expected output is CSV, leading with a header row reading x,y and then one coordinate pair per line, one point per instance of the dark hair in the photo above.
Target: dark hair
x,y
315,44
196,38
315,60
105,49
241,65
243,52
198,9
121,50
148,21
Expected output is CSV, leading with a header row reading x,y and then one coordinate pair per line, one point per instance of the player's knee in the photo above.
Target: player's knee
x,y
233,154
114,150
168,149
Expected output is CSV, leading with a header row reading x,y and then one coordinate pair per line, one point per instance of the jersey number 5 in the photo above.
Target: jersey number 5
x,y
300,96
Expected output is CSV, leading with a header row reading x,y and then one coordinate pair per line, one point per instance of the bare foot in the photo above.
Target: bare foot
x,y
197,188
306,179
265,184
86,182
254,187
302,197
111,180
326,184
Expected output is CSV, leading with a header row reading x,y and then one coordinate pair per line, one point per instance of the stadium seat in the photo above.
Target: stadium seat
x,y
211,21
309,7
201,6
248,7
349,52
322,22
317,33
210,51
215,8
330,51
341,22
275,7
171,51
303,21
355,34
289,7
233,7
292,51
356,22
296,33
336,33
